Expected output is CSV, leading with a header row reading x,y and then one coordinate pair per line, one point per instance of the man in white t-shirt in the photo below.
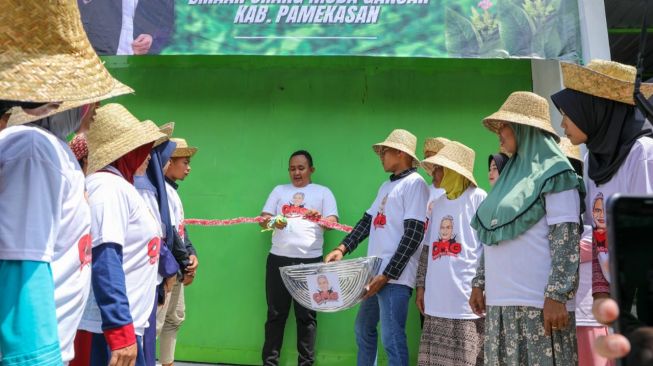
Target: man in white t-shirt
x,y
395,225
297,240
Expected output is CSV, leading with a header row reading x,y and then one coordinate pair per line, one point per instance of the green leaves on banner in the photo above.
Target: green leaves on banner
x,y
523,28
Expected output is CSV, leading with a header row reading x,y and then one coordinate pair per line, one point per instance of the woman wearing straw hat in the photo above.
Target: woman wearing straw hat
x,y
402,201
452,333
598,109
529,224
431,147
126,237
45,60
587,328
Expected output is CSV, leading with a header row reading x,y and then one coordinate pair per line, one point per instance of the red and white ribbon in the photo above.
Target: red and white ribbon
x,y
259,219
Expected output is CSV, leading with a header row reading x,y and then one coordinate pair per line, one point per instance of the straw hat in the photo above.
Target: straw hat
x,y
183,150
605,79
46,56
115,133
19,117
401,140
434,144
570,150
165,129
523,108
456,157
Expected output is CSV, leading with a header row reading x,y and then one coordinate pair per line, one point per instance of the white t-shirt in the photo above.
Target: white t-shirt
x,y
176,209
127,30
397,201
584,300
119,215
300,238
454,252
434,194
634,176
517,270
152,204
33,155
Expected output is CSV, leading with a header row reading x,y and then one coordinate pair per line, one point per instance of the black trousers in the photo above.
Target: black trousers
x,y
279,300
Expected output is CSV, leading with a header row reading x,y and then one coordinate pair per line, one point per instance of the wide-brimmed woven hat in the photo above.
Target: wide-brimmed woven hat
x,y
183,150
46,56
18,116
166,129
456,157
114,133
570,150
605,79
524,108
401,140
434,144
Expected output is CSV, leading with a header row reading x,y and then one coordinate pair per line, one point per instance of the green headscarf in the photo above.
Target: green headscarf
x,y
453,183
516,202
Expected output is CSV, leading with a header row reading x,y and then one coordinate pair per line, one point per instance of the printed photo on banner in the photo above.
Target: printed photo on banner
x,y
324,289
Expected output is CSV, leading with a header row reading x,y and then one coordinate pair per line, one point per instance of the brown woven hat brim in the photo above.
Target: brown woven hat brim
x,y
430,163
396,146
594,83
495,120
166,129
46,55
19,117
101,156
184,152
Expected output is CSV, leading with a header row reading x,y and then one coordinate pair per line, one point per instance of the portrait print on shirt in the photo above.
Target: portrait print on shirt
x,y
600,234
380,219
446,244
295,208
324,289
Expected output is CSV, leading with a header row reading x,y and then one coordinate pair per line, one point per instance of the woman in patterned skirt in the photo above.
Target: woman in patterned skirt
x,y
530,226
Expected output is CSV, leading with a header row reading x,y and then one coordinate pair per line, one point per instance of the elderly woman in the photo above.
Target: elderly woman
x,y
529,224
452,333
126,238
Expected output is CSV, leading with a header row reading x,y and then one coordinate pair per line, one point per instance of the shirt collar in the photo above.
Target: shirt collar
x,y
172,183
404,174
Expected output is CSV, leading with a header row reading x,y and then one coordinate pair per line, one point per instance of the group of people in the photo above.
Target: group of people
x,y
505,277
93,247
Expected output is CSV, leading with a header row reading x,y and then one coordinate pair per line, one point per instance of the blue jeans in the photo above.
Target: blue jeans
x,y
390,305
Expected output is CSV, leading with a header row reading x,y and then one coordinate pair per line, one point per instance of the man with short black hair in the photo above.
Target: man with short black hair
x,y
298,239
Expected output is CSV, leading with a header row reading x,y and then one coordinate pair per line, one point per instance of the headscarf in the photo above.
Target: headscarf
x,y
453,183
500,159
129,163
612,128
154,175
61,124
516,202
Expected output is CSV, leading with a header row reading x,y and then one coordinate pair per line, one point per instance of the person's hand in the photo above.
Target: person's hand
x,y
142,44
612,346
169,283
375,285
477,301
124,356
188,279
313,215
280,224
556,316
335,254
192,267
419,299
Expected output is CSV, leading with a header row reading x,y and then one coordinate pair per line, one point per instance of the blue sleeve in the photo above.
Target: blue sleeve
x,y
108,280
28,322
167,264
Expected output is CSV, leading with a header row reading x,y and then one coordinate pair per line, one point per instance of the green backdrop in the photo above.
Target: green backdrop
x,y
247,114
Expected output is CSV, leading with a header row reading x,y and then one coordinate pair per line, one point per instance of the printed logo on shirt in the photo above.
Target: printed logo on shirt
x,y
380,219
153,248
182,230
446,244
295,208
85,251
599,229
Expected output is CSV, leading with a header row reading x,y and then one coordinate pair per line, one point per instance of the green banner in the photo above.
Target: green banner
x,y
405,28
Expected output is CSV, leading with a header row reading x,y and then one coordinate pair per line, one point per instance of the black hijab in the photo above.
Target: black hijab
x,y
500,159
612,128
